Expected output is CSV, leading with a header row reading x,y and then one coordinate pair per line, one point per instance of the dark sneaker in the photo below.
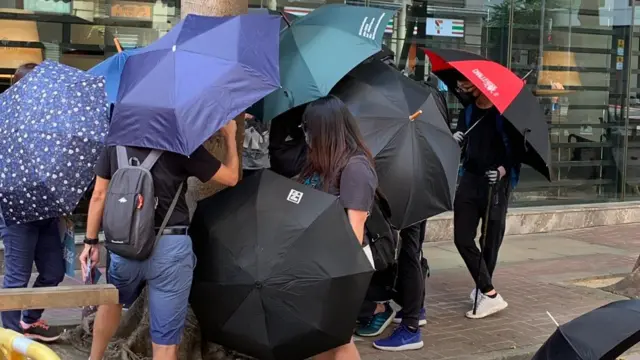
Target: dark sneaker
x,y
40,331
377,324
402,339
422,320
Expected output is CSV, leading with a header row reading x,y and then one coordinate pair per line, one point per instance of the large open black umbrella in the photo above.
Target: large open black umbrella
x,y
602,334
416,157
280,273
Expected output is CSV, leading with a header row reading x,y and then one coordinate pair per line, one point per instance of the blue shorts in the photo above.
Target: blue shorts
x,y
168,272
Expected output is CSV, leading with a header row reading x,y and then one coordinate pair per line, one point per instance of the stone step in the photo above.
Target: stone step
x,y
520,221
541,219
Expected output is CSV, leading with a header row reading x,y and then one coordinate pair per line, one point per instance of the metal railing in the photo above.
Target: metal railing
x,y
14,346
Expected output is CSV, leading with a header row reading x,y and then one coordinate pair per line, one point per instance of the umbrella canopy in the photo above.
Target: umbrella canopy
x,y
509,95
292,273
111,69
321,48
52,127
177,92
602,334
416,159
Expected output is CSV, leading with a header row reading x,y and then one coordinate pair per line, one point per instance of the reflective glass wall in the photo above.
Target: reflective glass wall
x,y
580,58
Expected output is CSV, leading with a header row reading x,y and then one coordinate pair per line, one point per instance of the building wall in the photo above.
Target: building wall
x,y
594,129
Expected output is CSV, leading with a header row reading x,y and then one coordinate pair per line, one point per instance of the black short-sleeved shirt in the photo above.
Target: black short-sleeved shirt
x,y
170,170
358,183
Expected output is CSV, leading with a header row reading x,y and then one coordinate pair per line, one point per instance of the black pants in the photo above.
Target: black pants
x,y
410,275
408,278
380,290
470,206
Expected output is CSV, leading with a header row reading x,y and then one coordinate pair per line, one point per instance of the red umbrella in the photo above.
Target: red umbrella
x,y
506,91
497,82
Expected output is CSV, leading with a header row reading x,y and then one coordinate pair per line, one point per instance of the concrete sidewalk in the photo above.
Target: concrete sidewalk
x,y
536,275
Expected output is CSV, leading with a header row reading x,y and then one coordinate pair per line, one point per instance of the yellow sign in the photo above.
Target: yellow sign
x,y
620,59
132,10
620,43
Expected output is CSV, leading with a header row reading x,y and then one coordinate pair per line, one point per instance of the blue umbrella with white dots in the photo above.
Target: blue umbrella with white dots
x,y
53,124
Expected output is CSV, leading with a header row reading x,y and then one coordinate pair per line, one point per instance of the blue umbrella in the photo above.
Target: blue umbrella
x,y
53,124
111,69
319,49
177,92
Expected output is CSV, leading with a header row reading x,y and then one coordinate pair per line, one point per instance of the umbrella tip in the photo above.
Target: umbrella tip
x,y
415,116
553,319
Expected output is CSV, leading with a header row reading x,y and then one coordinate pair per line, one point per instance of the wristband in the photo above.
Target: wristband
x,y
91,241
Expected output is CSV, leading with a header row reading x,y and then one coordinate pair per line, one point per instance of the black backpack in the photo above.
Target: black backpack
x,y
384,238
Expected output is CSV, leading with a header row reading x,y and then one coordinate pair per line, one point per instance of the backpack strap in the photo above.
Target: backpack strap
x,y
515,170
151,159
123,159
170,211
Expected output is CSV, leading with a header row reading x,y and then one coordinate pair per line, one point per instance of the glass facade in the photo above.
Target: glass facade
x,y
580,58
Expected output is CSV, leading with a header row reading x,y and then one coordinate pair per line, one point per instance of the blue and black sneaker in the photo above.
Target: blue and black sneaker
x,y
402,339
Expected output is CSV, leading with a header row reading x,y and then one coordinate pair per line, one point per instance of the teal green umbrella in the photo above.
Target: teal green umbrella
x,y
319,49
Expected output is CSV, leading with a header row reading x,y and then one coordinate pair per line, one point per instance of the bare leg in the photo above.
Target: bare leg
x,y
344,352
165,352
105,326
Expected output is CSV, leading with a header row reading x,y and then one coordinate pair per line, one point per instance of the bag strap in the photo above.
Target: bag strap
x,y
151,159
169,212
123,159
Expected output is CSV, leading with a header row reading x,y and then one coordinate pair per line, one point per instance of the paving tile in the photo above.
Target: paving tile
x,y
534,276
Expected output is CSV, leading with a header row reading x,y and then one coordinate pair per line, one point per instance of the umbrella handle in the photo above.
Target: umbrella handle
x,y
117,43
415,116
483,240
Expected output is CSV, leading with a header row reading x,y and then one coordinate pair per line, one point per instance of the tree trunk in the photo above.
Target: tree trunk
x,y
197,190
630,285
132,340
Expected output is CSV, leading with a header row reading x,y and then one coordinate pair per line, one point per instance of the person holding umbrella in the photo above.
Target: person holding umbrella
x,y
53,125
483,193
341,164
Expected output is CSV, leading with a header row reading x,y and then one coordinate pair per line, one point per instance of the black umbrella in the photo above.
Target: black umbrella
x,y
280,274
602,334
406,129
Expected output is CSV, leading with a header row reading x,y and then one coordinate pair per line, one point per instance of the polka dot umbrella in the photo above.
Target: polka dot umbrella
x,y
53,124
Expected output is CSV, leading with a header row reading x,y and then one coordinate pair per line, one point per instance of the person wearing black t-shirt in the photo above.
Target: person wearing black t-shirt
x,y
168,271
485,162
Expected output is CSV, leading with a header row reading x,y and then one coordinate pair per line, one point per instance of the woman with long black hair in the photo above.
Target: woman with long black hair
x,y
339,163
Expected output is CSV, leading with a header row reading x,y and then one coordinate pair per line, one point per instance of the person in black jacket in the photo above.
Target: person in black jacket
x,y
486,162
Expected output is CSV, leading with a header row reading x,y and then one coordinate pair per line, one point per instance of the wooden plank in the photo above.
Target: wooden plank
x,y
61,297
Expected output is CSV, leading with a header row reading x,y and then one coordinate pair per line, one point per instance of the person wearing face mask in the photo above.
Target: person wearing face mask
x,y
487,165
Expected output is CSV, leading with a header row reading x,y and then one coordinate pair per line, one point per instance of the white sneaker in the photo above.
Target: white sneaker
x,y
472,296
487,306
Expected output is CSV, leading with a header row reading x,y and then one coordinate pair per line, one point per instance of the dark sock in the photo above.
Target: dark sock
x,y
493,296
412,329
